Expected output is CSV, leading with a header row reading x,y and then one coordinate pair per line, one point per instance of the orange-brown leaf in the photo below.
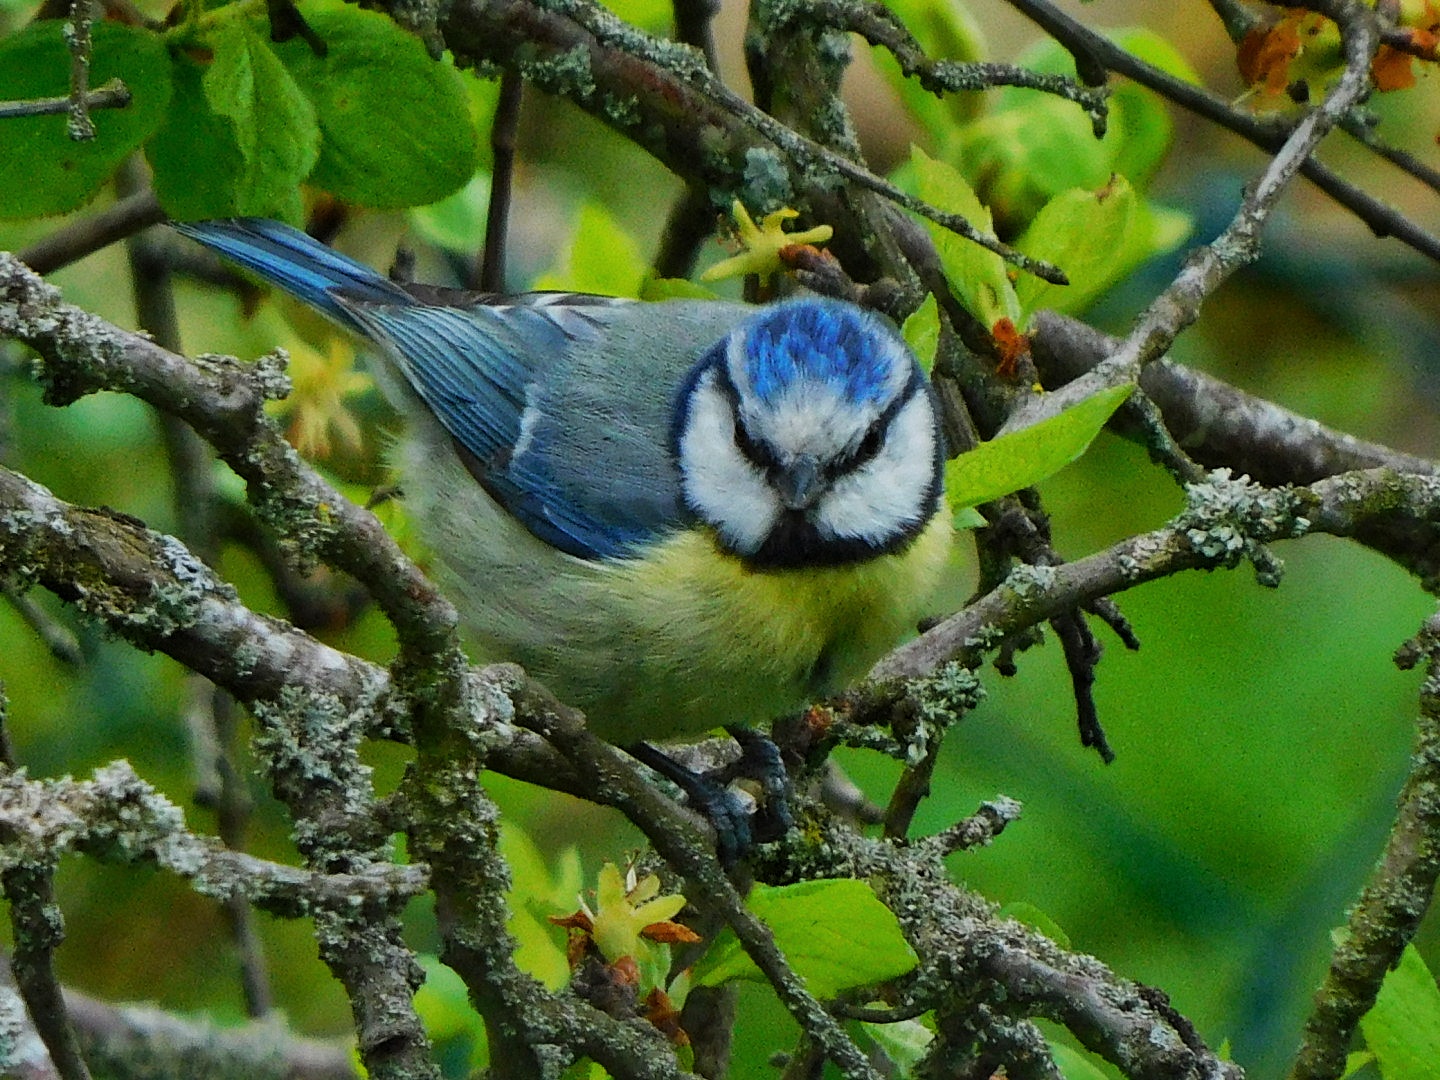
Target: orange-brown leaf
x,y
661,1012
578,921
1011,347
1391,69
1265,53
670,933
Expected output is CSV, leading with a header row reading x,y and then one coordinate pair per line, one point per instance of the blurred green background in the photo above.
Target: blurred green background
x,y
1261,735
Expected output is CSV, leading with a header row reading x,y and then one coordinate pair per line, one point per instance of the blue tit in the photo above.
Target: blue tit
x,y
676,515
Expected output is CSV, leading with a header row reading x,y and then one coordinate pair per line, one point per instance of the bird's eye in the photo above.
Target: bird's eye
x,y
757,453
869,446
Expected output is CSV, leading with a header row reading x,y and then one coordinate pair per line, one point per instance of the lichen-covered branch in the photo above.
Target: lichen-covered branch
x,y
1399,893
116,817
1218,424
971,961
1227,520
662,96
120,1041
617,782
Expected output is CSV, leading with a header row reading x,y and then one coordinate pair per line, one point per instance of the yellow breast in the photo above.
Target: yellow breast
x,y
711,641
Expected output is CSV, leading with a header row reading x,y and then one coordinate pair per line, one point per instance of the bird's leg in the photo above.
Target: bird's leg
x,y
738,820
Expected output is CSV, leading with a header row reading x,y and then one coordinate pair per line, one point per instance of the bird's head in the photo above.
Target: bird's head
x,y
808,436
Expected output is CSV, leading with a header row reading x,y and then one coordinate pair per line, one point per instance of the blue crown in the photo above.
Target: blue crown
x,y
813,339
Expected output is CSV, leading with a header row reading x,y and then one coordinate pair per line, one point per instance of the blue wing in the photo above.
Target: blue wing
x,y
494,372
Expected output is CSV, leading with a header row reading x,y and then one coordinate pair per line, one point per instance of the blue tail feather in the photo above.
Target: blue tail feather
x,y
297,263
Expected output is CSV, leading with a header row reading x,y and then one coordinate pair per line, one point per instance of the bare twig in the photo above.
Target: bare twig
x,y
1267,133
86,235
1208,267
503,130
113,94
77,39
57,637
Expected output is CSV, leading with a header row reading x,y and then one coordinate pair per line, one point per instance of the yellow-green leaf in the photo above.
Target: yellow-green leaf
x,y
977,275
1086,234
835,933
922,332
1022,458
1403,1028
602,258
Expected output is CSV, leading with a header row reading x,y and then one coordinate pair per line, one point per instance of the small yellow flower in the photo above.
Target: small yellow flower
x,y
760,245
316,407
625,908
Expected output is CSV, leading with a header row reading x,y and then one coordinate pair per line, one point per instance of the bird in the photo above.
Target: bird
x,y
677,515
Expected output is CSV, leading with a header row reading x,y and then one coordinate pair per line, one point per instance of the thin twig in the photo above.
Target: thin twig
x,y
978,830
1178,306
77,39
113,94
1267,133
89,234
58,638
503,131
37,928
881,27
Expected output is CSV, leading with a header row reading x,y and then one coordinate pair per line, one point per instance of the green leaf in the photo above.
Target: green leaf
x,y
1086,234
922,332
194,157
905,1043
1075,1064
666,288
395,126
976,275
1022,458
1027,150
654,16
967,517
1030,147
1025,912
457,222
943,28
1403,1028
42,170
602,258
534,896
272,124
835,933
1355,1061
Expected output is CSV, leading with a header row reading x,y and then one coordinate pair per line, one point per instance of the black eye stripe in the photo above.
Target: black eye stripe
x,y
757,454
869,447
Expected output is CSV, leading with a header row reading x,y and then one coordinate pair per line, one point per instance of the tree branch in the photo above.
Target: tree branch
x,y
1399,893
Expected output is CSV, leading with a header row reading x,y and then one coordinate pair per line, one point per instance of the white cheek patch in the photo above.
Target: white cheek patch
x,y
720,485
889,492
